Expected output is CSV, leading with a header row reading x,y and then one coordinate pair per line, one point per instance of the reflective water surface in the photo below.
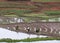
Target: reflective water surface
x,y
53,41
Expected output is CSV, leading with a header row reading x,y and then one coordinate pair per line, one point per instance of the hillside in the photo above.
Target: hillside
x,y
40,10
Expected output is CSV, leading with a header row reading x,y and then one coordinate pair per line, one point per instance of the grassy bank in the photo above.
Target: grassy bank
x,y
28,39
29,13
52,13
29,16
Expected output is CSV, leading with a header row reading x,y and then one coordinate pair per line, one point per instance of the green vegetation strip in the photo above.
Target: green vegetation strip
x,y
14,12
28,39
52,13
30,15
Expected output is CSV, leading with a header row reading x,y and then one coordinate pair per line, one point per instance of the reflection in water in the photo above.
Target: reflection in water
x,y
53,41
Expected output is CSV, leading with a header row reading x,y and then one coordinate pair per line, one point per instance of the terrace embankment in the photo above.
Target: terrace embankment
x,y
34,6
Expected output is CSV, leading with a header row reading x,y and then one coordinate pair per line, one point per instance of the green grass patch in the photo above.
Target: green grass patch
x,y
28,39
14,12
52,13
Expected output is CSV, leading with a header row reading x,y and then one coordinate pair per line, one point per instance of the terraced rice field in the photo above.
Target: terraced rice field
x,y
44,10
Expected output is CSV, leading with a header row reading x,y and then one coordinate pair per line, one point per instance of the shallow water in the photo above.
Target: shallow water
x,y
53,41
